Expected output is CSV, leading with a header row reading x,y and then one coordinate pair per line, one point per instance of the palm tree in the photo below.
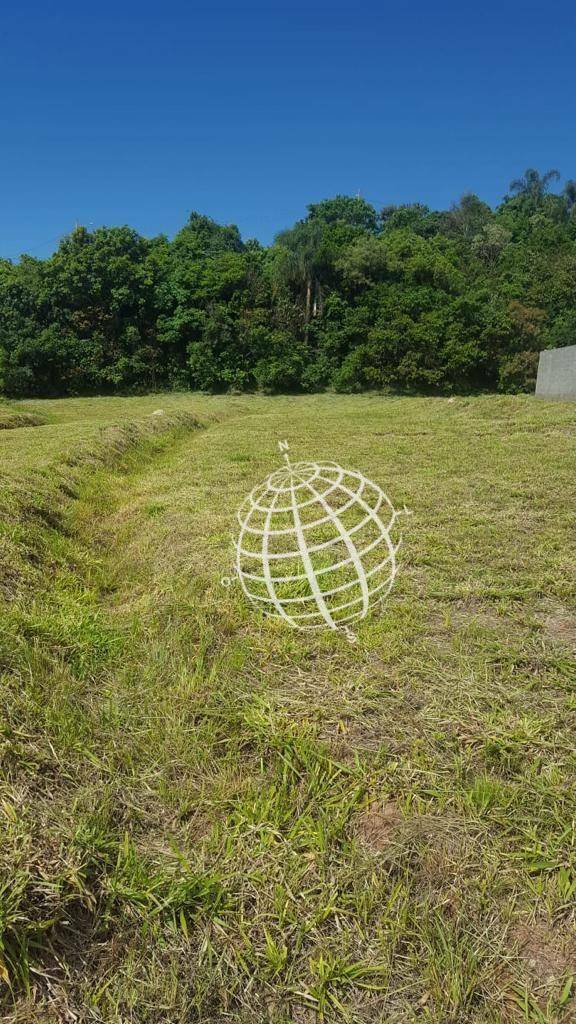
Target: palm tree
x,y
570,195
301,263
533,185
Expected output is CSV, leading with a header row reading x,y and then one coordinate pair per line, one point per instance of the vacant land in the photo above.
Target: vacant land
x,y
206,816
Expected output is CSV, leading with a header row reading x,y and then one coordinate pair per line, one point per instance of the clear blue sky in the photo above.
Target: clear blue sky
x,y
138,113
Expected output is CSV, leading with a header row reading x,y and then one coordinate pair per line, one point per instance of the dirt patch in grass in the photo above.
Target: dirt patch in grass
x,y
559,624
472,610
377,826
382,825
548,955
468,612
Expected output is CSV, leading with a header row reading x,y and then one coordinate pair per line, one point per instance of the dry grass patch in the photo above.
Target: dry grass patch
x,y
12,421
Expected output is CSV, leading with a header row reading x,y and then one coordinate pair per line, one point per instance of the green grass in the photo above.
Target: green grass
x,y
206,816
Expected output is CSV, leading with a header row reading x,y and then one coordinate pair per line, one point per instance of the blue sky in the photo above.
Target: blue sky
x,y
139,113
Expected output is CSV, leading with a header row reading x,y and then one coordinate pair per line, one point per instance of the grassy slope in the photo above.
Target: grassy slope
x,y
210,817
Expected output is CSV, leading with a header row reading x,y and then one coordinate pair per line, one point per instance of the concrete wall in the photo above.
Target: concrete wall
x,y
557,373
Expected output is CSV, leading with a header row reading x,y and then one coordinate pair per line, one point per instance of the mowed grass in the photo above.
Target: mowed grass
x,y
209,817
74,423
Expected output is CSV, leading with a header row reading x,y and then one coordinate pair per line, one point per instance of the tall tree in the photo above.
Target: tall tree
x,y
533,185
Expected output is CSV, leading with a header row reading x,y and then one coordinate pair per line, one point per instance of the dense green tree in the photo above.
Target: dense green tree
x,y
351,210
407,298
416,216
467,218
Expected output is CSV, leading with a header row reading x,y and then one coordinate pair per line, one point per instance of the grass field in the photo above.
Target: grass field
x,y
206,816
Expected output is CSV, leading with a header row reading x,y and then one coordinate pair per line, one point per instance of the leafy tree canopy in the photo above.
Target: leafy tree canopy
x,y
404,298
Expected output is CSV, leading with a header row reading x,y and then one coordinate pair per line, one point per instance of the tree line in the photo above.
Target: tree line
x,y
350,298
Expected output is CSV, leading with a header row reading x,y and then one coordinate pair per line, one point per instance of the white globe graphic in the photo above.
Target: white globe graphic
x,y
316,545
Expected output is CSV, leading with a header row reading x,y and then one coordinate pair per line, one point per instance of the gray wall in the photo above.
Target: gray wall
x,y
557,373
